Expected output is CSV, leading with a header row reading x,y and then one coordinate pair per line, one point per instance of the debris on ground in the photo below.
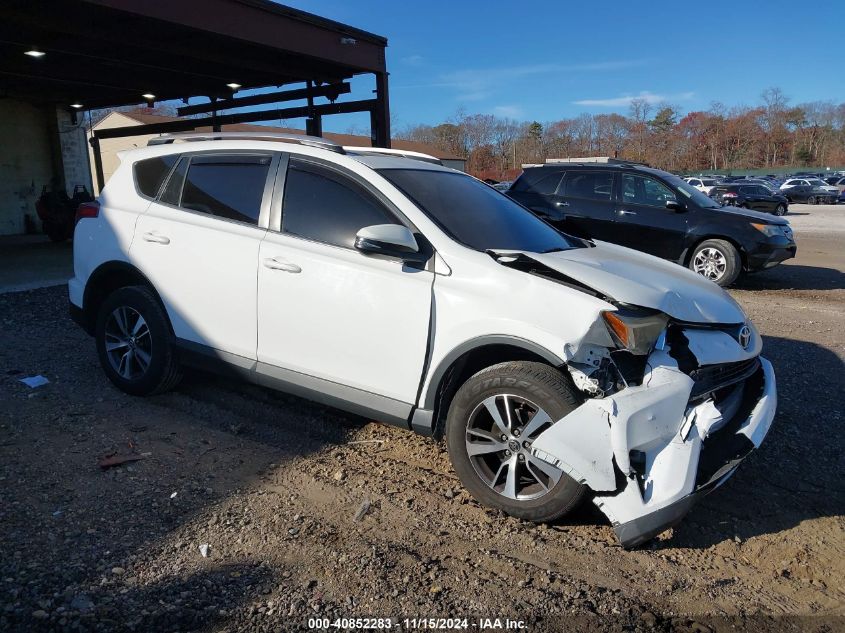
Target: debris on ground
x,y
362,510
204,550
35,381
111,461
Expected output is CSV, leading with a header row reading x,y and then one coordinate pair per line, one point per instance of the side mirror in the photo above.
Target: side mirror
x,y
393,240
675,206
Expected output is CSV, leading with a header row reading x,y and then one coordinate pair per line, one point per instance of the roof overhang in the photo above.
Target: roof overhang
x,y
103,53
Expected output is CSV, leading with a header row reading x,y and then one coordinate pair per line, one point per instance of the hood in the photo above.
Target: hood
x,y
632,277
750,215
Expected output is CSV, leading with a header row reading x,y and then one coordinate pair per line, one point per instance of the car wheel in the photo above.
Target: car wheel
x,y
780,209
134,342
717,260
494,418
811,199
745,205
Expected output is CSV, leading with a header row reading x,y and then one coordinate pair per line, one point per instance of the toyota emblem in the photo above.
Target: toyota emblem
x,y
744,337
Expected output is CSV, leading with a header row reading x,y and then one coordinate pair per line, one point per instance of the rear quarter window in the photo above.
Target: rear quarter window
x,y
150,174
539,181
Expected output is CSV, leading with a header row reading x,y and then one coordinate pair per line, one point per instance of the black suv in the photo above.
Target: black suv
x,y
750,196
655,212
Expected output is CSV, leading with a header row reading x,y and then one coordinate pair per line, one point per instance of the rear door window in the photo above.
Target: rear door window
x,y
226,186
588,185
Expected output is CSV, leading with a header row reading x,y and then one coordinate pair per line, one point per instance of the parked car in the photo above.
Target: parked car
x,y
556,366
814,183
503,186
704,185
658,213
837,181
750,196
801,190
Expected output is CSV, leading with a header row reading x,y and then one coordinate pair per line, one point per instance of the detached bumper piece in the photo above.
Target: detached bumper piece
x,y
649,452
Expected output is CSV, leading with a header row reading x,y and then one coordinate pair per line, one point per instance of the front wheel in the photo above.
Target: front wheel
x,y
811,200
134,342
492,422
717,260
780,209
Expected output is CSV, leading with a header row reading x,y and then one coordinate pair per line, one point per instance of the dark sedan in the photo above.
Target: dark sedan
x,y
809,194
750,196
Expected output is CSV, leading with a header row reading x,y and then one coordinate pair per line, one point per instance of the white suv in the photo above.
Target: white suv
x,y
399,289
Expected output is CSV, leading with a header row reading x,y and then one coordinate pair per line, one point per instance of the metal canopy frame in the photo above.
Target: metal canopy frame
x,y
188,49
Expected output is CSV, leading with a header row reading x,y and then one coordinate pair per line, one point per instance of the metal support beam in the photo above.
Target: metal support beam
x,y
330,91
367,105
380,115
98,162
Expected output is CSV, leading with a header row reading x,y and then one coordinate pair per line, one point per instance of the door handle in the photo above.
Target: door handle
x,y
627,212
155,237
561,204
274,263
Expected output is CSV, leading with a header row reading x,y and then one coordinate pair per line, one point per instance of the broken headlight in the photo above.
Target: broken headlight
x,y
635,329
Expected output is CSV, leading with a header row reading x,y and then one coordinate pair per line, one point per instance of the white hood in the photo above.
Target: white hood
x,y
633,277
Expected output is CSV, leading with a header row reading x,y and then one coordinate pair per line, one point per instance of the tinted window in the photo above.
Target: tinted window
x,y
150,173
172,192
644,190
474,214
323,205
592,185
230,187
538,181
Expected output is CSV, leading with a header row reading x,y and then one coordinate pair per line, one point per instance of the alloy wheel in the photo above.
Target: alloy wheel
x,y
710,263
499,435
128,343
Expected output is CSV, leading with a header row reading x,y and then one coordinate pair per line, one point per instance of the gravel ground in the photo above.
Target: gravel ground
x,y
308,512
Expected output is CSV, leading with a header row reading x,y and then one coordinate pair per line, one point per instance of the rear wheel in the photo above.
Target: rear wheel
x,y
811,200
780,209
493,420
134,342
717,260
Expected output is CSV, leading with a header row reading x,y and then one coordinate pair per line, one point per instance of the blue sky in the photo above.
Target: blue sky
x,y
551,60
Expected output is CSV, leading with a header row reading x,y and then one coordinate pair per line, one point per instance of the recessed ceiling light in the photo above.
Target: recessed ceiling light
x,y
234,86
34,52
76,105
148,96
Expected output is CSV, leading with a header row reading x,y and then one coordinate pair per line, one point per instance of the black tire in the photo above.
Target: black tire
x,y
811,199
724,275
163,371
539,384
780,209
745,205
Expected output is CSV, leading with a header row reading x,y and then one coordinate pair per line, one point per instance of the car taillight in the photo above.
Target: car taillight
x,y
729,195
87,210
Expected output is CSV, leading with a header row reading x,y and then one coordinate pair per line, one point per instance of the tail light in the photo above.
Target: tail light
x,y
729,195
87,210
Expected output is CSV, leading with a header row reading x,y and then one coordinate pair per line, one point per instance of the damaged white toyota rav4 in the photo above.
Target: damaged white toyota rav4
x,y
398,289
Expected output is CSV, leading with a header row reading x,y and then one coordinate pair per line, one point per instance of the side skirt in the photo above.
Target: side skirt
x,y
350,399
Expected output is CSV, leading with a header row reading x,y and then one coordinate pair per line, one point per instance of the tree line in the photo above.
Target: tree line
x,y
771,134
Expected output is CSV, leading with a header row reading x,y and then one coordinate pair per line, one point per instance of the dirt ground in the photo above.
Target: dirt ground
x,y
308,512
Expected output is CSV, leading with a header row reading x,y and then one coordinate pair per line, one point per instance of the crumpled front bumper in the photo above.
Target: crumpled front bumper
x,y
649,453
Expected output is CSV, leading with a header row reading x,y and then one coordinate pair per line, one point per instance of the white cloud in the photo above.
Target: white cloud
x,y
625,100
413,60
477,81
511,111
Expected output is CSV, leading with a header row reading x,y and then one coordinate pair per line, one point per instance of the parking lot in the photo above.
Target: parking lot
x,y
308,512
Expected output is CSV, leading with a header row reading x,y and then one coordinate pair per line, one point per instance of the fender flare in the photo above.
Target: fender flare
x,y
443,366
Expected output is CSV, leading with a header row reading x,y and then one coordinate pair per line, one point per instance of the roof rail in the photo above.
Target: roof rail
x,y
302,139
399,153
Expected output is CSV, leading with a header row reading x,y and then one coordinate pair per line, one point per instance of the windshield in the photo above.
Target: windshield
x,y
700,199
475,214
